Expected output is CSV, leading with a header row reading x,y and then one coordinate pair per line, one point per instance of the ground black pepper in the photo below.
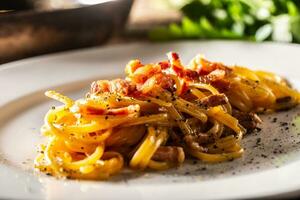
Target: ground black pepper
x,y
263,156
283,124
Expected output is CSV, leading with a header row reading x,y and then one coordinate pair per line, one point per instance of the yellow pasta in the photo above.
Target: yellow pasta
x,y
156,115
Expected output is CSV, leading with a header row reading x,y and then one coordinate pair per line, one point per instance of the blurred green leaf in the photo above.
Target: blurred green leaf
x,y
238,28
196,9
295,28
235,19
263,32
292,8
205,24
208,30
281,28
190,28
229,34
175,30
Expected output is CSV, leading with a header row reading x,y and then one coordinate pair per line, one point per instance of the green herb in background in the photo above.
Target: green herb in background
x,y
258,20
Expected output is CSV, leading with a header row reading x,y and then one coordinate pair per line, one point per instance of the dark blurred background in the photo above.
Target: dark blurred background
x,y
34,27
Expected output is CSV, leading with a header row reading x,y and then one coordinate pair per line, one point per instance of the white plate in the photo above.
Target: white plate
x,y
22,107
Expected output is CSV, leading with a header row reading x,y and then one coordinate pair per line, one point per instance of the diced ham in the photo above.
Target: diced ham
x,y
213,100
248,120
169,153
119,86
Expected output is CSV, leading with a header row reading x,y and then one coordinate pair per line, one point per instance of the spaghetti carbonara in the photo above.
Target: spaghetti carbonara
x,y
156,116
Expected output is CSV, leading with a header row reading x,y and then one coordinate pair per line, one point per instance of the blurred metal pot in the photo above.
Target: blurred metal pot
x,y
48,29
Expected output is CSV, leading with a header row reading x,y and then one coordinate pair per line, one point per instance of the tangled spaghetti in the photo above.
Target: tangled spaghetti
x,y
156,116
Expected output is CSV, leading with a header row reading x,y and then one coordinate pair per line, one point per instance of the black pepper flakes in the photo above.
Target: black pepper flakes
x,y
283,124
258,129
203,168
258,141
263,156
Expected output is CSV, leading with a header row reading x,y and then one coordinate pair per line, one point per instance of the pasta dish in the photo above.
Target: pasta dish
x,y
158,115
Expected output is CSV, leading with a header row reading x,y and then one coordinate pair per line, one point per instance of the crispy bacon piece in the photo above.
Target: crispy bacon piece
x,y
248,120
187,74
179,70
119,86
164,65
132,66
191,75
222,85
169,153
100,86
213,100
142,74
217,74
213,76
207,67
195,141
165,81
162,80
